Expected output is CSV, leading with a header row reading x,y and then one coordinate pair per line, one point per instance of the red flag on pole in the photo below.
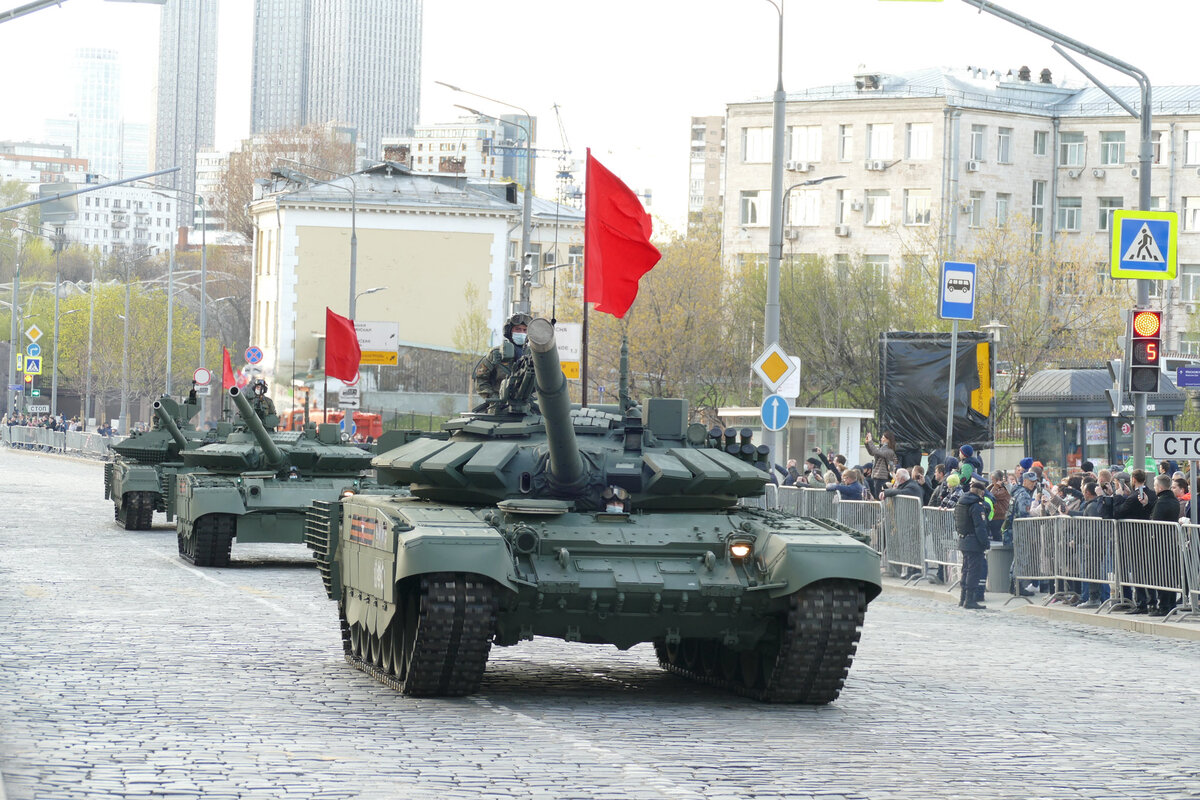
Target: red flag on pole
x,y
616,238
227,379
342,353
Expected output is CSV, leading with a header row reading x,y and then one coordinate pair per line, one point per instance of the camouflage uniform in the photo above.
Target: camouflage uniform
x,y
263,406
491,371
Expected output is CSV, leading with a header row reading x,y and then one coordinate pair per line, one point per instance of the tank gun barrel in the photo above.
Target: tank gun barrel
x,y
169,423
565,462
272,452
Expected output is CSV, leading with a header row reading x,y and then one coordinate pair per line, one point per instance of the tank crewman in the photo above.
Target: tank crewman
x,y
498,364
263,406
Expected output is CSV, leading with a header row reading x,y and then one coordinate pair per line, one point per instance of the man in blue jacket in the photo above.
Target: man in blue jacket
x,y
970,520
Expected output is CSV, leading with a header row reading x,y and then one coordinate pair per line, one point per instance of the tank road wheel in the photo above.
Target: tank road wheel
x,y
356,640
211,541
127,510
727,666
386,659
819,639
447,627
710,657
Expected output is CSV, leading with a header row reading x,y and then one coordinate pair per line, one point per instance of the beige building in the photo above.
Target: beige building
x,y
706,169
427,238
968,146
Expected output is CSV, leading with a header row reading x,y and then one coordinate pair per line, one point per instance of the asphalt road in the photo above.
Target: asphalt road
x,y
125,672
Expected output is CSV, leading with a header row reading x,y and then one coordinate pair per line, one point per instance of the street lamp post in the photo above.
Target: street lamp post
x,y
59,240
125,360
775,245
353,222
12,327
523,304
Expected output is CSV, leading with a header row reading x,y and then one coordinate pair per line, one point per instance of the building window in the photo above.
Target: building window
x,y
842,205
845,142
1191,213
976,210
1107,206
1071,150
1189,284
1070,213
1003,205
754,202
1189,343
879,263
804,207
1156,142
841,261
804,142
879,140
756,145
1112,148
1004,145
917,205
1192,148
878,208
1040,142
978,134
918,141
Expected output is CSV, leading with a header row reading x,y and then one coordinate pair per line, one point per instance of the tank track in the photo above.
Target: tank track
x,y
452,617
211,541
135,510
819,637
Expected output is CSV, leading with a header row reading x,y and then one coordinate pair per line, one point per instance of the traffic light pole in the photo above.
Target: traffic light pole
x,y
1145,156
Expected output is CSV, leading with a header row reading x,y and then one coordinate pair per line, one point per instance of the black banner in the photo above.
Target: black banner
x,y
914,377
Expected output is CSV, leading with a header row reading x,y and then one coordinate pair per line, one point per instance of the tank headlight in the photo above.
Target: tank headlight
x,y
347,493
740,549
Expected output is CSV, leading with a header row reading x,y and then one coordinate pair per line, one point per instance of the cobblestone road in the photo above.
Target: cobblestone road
x,y
126,673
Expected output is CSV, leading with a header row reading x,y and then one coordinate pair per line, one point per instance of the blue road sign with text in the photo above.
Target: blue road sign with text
x,y
1187,377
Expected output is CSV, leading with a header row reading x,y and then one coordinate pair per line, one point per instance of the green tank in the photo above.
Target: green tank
x,y
613,524
141,478
255,486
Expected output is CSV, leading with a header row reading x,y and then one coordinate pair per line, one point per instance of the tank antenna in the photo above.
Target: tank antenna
x,y
625,400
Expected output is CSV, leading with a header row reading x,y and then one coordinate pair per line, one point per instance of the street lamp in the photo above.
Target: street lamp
x,y
527,212
353,220
203,276
59,240
775,243
811,182
372,290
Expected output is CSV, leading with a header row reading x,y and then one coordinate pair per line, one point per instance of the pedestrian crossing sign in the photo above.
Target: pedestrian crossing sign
x,y
1144,244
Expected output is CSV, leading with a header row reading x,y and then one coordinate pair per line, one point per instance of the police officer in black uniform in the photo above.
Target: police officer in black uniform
x,y
971,522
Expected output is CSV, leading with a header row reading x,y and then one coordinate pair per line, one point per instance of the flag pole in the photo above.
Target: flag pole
x,y
583,365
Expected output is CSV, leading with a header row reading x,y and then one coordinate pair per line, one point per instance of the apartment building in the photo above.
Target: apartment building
x,y
706,173
475,146
968,146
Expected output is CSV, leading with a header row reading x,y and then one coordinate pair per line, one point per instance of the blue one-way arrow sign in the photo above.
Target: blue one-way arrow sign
x,y
775,412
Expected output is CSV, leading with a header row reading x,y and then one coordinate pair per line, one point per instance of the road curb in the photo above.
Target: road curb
x,y
996,602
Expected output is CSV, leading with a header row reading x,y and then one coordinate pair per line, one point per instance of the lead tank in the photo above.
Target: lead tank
x,y
256,485
140,480
615,525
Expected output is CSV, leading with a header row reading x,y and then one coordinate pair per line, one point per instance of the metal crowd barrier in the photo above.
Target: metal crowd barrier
x,y
33,438
862,515
902,533
1110,558
939,538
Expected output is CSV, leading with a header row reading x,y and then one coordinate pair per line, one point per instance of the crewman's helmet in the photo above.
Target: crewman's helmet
x,y
519,318
260,387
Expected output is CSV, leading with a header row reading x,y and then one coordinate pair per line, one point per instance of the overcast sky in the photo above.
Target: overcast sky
x,y
627,74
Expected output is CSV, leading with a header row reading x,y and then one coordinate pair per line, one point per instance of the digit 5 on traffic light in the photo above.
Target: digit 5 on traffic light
x,y
1146,347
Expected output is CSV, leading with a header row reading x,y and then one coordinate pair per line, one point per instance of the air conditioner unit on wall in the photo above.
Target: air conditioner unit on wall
x,y
1097,173
798,166
973,166
856,205
1072,173
791,234
841,230
876,165
1134,172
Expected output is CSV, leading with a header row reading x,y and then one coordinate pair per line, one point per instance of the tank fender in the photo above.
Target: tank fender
x,y
212,500
477,549
134,478
795,560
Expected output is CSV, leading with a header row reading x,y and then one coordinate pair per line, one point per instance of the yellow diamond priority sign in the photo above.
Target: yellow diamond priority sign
x,y
774,367
34,333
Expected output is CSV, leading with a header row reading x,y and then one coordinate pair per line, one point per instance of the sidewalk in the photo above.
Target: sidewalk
x,y
995,602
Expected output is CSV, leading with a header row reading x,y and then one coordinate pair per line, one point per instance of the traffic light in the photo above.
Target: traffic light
x,y
28,378
1146,350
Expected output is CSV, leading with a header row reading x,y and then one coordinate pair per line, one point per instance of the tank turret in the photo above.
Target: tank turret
x,y
168,422
273,457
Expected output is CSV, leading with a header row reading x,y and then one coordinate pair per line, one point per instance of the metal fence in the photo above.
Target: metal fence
x,y
77,442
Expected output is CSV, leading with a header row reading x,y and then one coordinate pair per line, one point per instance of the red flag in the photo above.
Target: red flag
x,y
227,379
342,353
616,241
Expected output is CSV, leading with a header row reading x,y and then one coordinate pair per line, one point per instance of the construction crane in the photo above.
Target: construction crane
x,y
568,192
